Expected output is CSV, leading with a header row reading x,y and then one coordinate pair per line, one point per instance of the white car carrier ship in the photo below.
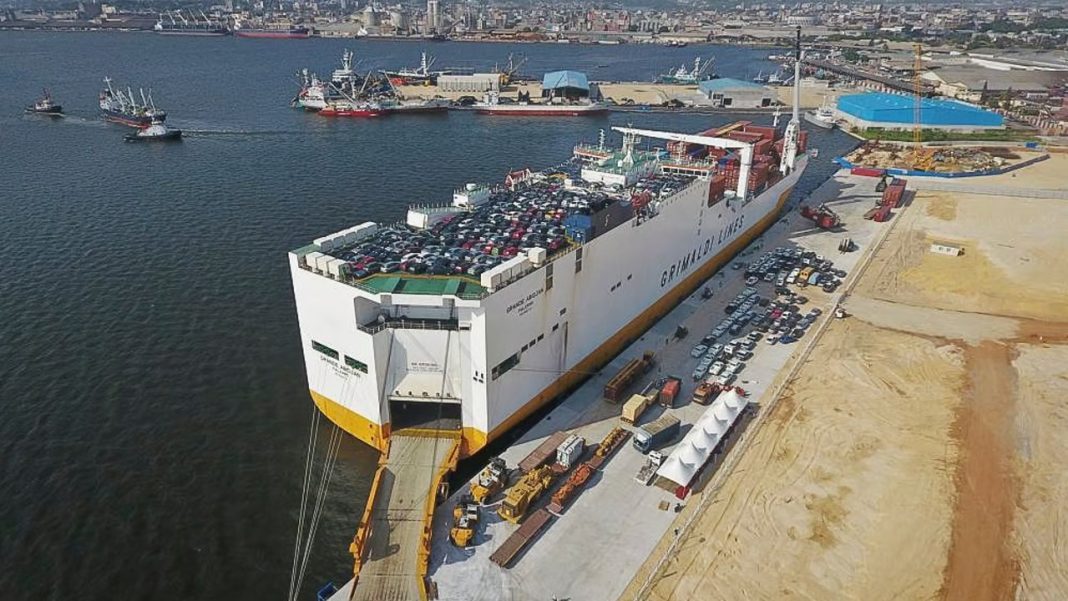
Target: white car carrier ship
x,y
429,339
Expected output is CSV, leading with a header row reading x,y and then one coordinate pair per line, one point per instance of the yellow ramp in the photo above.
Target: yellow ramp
x,y
393,542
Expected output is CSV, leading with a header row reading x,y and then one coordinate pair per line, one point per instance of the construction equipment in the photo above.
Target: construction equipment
x,y
519,498
847,245
571,488
706,392
609,444
613,390
491,480
569,453
464,520
822,216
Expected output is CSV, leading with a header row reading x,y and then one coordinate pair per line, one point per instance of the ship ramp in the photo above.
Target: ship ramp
x,y
392,544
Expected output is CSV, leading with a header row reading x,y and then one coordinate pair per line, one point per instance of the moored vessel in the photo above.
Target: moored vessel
x,y
296,32
686,76
349,108
823,117
195,26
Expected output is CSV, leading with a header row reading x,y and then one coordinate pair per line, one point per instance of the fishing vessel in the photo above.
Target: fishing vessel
x,y
157,131
296,32
429,339
493,104
122,107
686,76
45,106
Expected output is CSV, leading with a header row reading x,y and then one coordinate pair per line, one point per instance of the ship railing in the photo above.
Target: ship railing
x,y
403,323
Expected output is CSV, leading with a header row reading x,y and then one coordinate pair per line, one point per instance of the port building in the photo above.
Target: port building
x,y
897,111
736,93
567,84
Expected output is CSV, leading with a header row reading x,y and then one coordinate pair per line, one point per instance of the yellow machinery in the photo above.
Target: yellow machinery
x,y
526,491
491,480
464,520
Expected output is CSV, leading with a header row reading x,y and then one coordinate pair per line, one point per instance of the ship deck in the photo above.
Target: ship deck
x,y
403,494
467,242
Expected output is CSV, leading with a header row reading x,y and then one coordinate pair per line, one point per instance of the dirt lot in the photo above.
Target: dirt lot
x,y
1013,262
819,509
921,452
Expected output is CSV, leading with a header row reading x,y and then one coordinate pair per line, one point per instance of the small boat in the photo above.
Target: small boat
x,y
45,106
156,132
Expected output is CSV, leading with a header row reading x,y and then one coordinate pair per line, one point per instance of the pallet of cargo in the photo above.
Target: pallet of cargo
x,y
522,537
611,443
545,451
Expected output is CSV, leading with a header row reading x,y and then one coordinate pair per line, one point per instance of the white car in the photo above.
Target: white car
x,y
729,350
698,373
790,279
725,379
698,350
716,369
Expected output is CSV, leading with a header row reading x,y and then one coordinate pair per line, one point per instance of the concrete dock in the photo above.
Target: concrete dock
x,y
596,547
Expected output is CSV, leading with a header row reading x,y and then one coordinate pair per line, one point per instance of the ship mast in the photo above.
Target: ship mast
x,y
793,129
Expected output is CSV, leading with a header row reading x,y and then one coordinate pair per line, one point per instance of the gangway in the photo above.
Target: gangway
x,y
392,544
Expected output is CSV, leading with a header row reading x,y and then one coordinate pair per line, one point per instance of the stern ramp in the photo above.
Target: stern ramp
x,y
393,542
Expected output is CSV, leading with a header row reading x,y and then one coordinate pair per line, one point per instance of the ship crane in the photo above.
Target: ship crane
x,y
793,129
745,150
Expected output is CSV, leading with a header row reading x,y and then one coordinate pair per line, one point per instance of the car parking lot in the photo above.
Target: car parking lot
x,y
760,312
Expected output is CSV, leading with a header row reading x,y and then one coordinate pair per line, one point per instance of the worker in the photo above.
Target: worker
x,y
676,533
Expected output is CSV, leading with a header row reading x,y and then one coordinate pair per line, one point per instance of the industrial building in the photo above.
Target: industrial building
x,y
475,83
736,93
897,111
567,84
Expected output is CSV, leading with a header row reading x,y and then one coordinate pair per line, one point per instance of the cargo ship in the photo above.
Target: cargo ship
x,y
189,27
122,107
291,33
429,339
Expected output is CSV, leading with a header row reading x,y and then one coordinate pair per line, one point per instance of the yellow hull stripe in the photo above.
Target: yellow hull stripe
x,y
474,439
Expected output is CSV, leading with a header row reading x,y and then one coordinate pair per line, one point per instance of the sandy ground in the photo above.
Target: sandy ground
x,y
819,509
1013,263
1048,174
1042,519
920,452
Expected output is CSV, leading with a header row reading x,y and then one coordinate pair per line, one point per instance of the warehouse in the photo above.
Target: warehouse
x,y
736,93
897,111
567,84
478,82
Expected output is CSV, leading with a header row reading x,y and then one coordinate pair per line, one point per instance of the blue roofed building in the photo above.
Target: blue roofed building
x,y
736,93
897,111
567,84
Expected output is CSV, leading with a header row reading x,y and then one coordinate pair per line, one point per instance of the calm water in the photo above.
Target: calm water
x,y
153,409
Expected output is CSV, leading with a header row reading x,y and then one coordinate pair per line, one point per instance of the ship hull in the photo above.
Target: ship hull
x,y
130,120
628,281
208,33
540,111
358,113
273,35
814,119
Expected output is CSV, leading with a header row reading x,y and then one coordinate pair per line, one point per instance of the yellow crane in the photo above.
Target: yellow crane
x,y
920,159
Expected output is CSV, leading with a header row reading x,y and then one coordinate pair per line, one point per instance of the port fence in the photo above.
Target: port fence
x,y
732,459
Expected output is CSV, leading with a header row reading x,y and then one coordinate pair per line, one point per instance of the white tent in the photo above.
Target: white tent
x,y
707,432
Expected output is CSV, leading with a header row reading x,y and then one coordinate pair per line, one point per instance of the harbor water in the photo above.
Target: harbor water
x,y
155,412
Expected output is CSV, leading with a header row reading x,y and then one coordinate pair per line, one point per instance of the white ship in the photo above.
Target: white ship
x,y
472,315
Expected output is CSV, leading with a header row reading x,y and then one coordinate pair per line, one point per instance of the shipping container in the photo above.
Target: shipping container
x,y
570,451
634,408
670,391
867,171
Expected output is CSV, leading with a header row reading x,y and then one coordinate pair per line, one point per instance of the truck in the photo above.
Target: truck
x,y
635,368
706,392
648,469
526,491
657,433
669,391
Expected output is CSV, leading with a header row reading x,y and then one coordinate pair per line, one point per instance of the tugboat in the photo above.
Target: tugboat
x,y
45,106
156,132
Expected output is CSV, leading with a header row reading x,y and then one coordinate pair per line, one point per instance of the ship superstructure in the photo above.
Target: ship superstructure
x,y
120,106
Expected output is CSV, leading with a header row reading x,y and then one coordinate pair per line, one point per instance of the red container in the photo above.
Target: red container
x,y
763,147
802,141
867,171
764,131
742,136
